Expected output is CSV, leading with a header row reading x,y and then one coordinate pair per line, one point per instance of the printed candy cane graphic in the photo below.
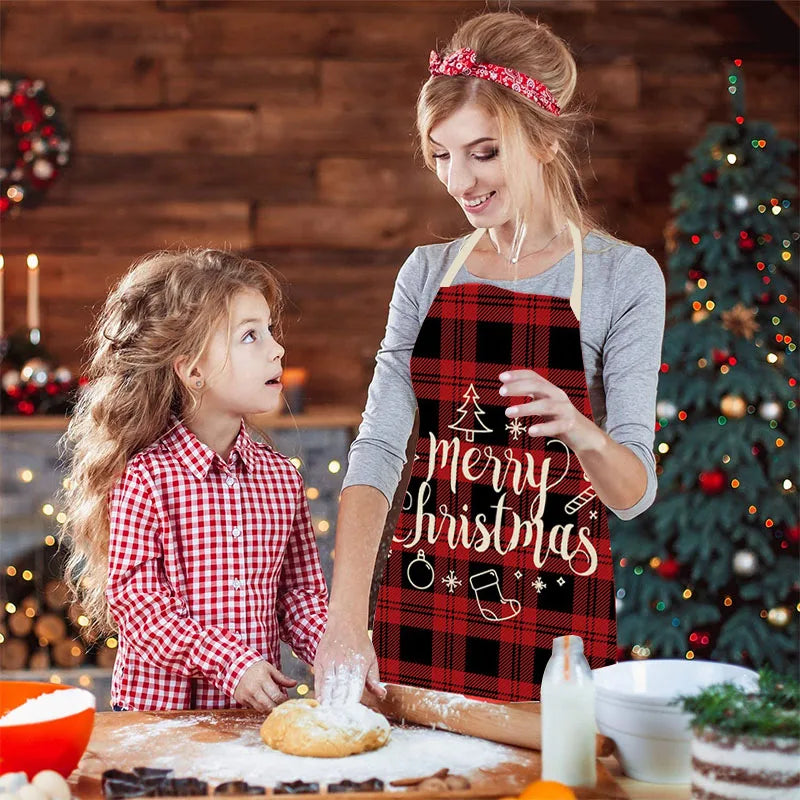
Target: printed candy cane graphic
x,y
579,501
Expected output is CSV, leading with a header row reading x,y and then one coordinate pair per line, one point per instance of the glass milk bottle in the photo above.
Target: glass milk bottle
x,y
568,722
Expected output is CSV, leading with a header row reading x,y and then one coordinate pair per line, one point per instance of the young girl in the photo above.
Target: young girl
x,y
189,538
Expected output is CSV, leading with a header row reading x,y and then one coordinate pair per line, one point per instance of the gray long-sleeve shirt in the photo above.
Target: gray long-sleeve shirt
x,y
622,324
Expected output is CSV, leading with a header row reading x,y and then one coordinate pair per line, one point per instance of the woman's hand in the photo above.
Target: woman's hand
x,y
263,686
345,662
558,416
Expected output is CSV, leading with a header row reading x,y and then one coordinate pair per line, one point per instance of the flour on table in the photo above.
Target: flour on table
x,y
409,752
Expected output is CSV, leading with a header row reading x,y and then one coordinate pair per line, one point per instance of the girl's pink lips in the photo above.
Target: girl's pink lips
x,y
479,208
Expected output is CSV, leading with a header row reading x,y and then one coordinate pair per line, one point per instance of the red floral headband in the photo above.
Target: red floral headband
x,y
465,62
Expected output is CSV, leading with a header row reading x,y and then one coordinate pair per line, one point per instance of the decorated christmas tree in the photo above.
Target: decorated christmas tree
x,y
711,570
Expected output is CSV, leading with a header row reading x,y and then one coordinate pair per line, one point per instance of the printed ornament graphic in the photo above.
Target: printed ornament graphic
x,y
486,586
420,572
470,418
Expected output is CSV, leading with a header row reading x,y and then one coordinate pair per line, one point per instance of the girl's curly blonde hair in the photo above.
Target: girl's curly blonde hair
x,y
166,306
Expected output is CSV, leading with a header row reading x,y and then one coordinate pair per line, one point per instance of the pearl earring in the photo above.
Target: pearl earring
x,y
198,384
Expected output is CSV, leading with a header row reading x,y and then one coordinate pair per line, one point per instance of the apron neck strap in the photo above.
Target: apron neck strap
x,y
577,273
462,256
577,276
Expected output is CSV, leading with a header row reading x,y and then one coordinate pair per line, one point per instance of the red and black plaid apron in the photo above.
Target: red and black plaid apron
x,y
502,543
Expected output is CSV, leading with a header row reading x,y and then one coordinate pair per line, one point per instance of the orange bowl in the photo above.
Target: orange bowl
x,y
52,744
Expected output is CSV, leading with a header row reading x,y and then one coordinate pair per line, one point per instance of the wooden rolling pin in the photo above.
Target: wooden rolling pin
x,y
517,724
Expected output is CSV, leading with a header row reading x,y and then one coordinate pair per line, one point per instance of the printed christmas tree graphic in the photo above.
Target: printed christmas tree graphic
x,y
470,412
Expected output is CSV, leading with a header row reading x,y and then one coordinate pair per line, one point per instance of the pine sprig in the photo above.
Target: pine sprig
x,y
773,711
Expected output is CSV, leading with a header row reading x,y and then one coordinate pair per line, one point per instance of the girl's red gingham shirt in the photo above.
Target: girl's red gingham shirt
x,y
210,564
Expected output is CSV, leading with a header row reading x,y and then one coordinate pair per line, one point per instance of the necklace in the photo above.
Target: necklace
x,y
517,259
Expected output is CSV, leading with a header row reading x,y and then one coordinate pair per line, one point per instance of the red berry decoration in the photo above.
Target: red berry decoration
x,y
712,482
793,534
668,569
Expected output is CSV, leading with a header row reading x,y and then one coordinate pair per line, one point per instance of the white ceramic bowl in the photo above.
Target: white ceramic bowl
x,y
633,707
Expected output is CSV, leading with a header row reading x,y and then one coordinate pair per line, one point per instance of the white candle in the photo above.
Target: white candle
x,y
2,298
33,291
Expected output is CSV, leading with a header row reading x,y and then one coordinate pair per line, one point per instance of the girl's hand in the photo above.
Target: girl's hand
x,y
558,417
345,662
263,686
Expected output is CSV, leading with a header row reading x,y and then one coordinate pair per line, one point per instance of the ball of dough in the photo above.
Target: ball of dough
x,y
303,727
52,784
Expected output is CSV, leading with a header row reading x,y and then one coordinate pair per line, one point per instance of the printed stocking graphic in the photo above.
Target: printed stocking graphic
x,y
486,586
580,500
420,572
470,412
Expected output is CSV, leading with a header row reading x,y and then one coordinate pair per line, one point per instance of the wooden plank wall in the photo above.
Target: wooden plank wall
x,y
285,129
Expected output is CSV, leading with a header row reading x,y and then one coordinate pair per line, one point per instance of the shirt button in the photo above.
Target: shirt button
x,y
229,481
236,532
236,583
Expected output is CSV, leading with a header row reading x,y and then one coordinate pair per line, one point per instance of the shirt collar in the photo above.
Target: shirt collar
x,y
198,457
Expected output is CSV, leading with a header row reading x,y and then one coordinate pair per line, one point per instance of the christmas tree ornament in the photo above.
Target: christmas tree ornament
x,y
712,482
740,321
669,569
719,357
745,563
709,177
746,242
733,406
778,617
740,203
770,409
665,409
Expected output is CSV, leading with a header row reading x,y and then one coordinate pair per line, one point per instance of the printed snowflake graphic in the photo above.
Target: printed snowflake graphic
x,y
451,581
517,574
539,584
560,581
516,428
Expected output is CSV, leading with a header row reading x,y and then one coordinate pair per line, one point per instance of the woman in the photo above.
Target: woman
x,y
530,350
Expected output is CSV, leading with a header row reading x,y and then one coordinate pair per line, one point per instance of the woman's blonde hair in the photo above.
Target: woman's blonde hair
x,y
166,306
525,129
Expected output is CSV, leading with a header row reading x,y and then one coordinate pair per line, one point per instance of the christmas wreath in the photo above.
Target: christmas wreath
x,y
29,117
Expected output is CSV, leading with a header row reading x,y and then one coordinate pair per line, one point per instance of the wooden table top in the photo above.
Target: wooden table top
x,y
123,740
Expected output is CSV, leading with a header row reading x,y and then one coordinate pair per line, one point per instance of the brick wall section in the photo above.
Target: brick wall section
x,y
285,129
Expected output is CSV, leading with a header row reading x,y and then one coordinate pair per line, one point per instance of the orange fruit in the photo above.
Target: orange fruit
x,y
547,790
